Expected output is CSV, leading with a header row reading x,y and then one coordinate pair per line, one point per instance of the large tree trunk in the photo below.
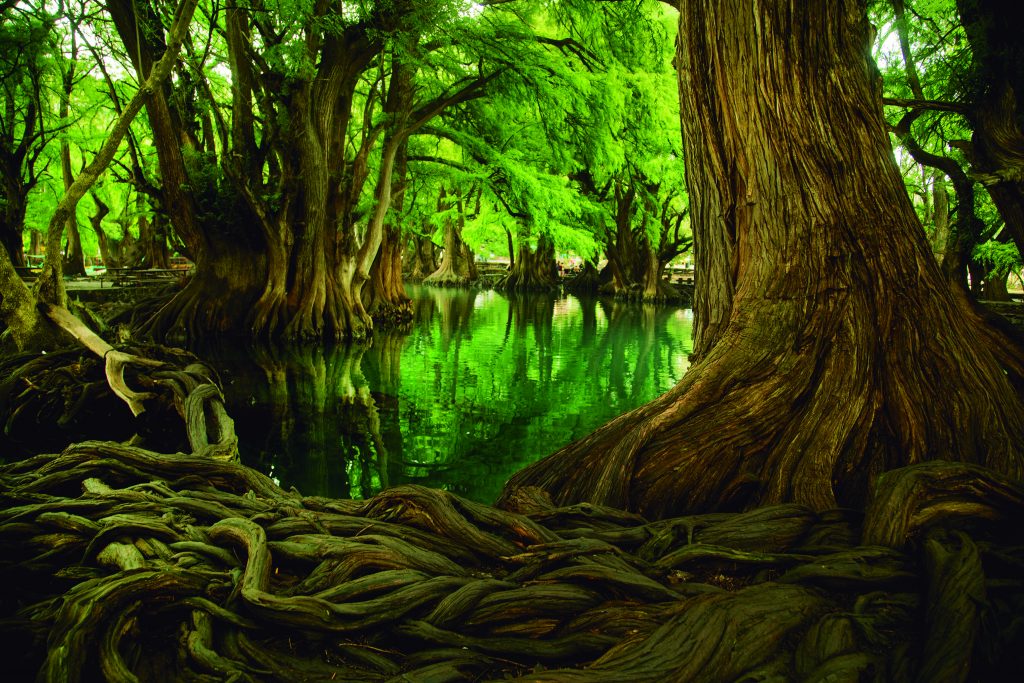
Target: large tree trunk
x,y
424,257
636,268
532,271
827,346
142,34
12,223
389,301
218,300
457,267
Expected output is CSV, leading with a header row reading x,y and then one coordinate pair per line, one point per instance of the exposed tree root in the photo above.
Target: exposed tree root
x,y
121,563
51,399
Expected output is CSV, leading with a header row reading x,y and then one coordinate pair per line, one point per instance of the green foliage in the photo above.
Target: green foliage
x,y
1001,258
938,69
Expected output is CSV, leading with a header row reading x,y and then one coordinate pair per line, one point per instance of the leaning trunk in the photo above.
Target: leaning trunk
x,y
827,347
388,301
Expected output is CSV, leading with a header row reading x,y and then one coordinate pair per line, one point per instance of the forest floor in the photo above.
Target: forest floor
x,y
156,555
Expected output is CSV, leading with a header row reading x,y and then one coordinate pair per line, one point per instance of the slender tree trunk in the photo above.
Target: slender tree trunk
x,y
35,243
154,252
940,235
511,249
387,298
827,346
74,259
96,221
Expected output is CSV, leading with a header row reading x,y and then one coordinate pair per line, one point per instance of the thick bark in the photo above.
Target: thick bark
x,y
218,300
390,302
18,310
827,346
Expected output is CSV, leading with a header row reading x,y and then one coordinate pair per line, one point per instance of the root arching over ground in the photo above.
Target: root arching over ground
x,y
123,563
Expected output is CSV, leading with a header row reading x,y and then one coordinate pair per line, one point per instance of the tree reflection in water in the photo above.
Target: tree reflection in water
x,y
479,387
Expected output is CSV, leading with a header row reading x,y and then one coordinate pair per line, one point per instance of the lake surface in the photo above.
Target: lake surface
x,y
480,386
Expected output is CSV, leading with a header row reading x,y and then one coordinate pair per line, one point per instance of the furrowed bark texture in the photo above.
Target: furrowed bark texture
x,y
827,347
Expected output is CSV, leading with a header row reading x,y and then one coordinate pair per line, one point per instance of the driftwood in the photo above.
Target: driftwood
x,y
123,563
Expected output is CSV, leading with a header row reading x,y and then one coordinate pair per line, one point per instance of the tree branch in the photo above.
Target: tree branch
x,y
50,286
934,105
439,160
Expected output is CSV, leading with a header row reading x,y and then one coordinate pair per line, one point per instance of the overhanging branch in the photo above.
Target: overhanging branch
x,y
933,105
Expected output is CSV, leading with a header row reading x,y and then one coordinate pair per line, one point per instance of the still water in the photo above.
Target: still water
x,y
480,386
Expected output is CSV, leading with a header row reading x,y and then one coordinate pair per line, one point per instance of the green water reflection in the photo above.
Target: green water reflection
x,y
481,386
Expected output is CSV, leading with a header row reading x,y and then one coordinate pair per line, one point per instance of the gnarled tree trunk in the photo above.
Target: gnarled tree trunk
x,y
827,346
532,271
423,257
457,267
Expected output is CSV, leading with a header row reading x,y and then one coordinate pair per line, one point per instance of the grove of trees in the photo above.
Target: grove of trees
x,y
832,490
